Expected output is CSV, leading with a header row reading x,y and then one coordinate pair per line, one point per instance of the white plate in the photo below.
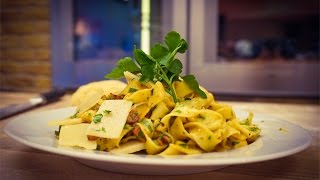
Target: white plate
x,y
278,139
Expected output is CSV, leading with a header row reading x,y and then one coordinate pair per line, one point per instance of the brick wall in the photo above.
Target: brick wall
x,y
25,63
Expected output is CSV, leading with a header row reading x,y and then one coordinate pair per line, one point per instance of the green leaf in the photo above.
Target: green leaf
x,y
128,64
116,73
183,46
159,52
175,66
160,65
147,72
172,40
141,57
173,77
125,64
194,85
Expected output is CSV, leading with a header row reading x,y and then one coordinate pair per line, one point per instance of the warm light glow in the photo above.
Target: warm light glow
x,y
145,26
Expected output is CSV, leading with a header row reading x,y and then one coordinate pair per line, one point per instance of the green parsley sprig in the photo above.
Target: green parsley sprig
x,y
160,65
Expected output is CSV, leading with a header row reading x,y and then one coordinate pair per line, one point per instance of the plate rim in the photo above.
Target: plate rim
x,y
154,159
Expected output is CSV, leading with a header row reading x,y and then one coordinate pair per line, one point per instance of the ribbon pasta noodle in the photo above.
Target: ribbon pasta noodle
x,y
160,126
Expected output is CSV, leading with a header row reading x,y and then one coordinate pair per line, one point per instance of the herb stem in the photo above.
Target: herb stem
x,y
166,79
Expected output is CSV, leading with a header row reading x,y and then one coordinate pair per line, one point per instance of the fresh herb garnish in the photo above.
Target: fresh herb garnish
x,y
74,115
106,111
125,64
140,134
160,65
253,128
283,130
235,143
97,118
131,90
102,129
193,84
184,145
245,122
147,124
57,133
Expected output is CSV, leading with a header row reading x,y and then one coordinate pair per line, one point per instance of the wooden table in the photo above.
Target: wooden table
x,y
18,161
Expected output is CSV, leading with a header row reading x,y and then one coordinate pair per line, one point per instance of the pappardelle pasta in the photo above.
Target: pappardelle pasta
x,y
157,111
156,124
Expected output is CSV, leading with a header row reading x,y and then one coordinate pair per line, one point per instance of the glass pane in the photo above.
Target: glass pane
x,y
105,29
109,30
268,30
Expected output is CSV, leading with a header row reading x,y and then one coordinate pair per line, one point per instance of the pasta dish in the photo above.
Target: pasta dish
x,y
158,111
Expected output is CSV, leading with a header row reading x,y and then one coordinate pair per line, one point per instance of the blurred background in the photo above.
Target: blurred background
x,y
239,48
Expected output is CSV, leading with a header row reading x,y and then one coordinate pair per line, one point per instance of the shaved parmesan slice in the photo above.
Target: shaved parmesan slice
x,y
129,147
90,101
86,90
75,135
110,119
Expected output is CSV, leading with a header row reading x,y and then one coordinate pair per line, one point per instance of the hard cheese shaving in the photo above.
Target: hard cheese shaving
x,y
75,135
129,147
110,119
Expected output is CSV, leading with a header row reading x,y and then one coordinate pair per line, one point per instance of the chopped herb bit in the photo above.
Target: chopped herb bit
x,y
131,90
102,129
235,143
200,117
254,128
140,134
283,130
209,137
184,145
97,118
106,111
147,124
245,122
75,115
57,133
126,126
150,128
178,111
